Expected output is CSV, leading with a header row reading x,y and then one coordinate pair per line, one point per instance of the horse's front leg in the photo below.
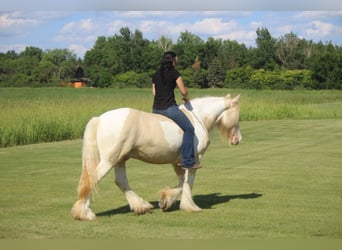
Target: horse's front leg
x,y
187,204
136,203
168,196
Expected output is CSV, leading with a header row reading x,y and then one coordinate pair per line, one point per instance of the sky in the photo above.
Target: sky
x,y
77,24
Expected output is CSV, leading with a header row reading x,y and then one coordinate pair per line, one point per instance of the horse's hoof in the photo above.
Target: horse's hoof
x,y
143,209
91,217
163,204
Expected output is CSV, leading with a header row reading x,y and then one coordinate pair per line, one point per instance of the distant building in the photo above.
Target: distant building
x,y
80,81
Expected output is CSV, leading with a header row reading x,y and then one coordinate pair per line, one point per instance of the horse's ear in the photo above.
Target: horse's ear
x,y
236,99
228,96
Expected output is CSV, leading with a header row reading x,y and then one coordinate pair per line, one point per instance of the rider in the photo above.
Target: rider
x,y
164,82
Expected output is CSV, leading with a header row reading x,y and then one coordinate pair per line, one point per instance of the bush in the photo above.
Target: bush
x,y
131,79
238,77
264,79
200,78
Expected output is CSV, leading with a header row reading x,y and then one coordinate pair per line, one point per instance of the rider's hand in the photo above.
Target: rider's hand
x,y
186,99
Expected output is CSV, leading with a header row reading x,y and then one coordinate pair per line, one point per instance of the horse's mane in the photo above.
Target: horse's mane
x,y
227,121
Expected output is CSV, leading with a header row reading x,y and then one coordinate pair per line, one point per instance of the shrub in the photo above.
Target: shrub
x,y
264,79
238,77
194,79
131,79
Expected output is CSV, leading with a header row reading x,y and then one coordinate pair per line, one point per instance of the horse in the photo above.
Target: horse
x,y
112,138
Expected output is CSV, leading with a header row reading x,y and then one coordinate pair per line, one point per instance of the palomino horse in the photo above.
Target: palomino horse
x,y
115,136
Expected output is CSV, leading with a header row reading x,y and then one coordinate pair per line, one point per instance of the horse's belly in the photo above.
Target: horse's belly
x,y
156,155
158,144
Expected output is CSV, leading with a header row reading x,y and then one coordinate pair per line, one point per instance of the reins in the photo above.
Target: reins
x,y
189,107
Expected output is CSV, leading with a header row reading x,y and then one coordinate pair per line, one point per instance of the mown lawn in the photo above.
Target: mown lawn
x,y
283,181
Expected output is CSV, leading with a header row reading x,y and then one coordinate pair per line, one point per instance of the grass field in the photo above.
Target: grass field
x,y
283,181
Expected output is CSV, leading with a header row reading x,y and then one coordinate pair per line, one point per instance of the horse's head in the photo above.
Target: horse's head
x,y
228,122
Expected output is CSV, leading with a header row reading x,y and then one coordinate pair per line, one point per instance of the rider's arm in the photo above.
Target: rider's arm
x,y
182,89
153,89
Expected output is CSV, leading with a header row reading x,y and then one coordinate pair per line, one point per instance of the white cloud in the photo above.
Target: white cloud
x,y
284,29
15,23
317,14
242,36
84,25
114,27
256,24
212,26
79,30
206,27
319,29
146,26
16,47
78,49
153,30
84,31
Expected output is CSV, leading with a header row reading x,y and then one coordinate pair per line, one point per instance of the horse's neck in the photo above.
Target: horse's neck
x,y
209,108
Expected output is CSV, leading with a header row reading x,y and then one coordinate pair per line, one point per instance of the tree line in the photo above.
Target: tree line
x,y
127,59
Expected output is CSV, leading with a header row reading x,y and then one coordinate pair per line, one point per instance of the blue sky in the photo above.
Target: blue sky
x,y
76,26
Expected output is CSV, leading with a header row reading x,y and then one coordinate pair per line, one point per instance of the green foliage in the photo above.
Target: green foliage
x,y
326,65
290,51
232,54
34,67
188,47
210,50
216,74
194,79
165,43
131,79
187,77
199,78
265,51
238,77
275,63
264,79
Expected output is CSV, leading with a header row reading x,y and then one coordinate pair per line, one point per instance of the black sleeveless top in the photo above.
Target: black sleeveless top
x,y
164,90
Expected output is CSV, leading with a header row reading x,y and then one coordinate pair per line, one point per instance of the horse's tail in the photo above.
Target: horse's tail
x,y
90,160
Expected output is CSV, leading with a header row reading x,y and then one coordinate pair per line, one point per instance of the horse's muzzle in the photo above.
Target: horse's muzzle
x,y
236,139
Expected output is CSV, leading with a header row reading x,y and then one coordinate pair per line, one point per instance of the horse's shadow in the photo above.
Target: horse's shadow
x,y
209,200
203,201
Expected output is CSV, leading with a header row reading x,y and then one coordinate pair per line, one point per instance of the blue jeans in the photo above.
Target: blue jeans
x,y
187,149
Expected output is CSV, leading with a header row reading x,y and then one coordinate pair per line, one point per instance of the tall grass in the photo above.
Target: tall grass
x,y
33,115
54,114
279,105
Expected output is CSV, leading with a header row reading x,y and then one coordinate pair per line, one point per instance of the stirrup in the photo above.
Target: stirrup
x,y
195,166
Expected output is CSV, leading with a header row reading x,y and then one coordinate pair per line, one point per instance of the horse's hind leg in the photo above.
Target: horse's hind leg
x,y
81,209
136,203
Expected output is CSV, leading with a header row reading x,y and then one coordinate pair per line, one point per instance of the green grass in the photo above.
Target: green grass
x,y
31,115
283,181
